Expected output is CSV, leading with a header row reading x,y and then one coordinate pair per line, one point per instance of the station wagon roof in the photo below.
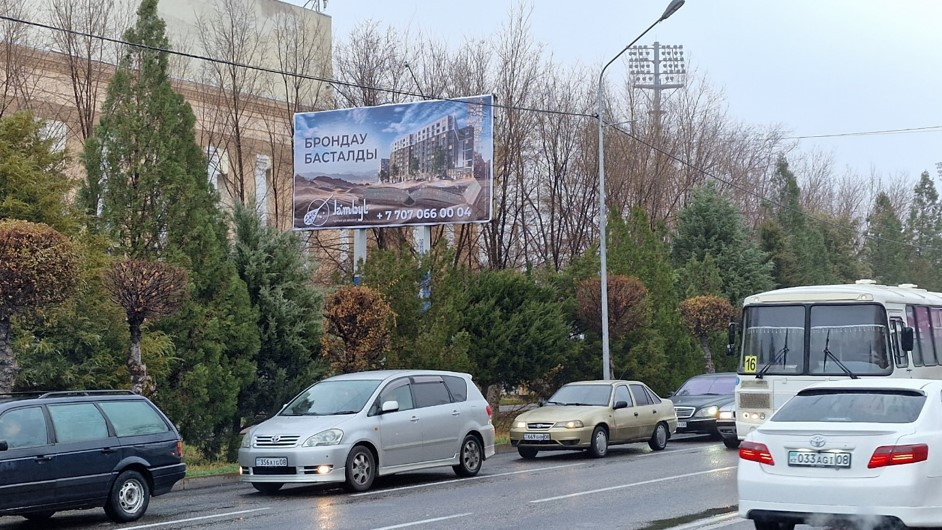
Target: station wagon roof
x,y
382,375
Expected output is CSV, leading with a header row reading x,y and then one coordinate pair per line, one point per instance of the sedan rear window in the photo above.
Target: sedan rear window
x,y
858,406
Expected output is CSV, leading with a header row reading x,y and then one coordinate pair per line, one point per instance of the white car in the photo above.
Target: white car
x,y
864,452
354,427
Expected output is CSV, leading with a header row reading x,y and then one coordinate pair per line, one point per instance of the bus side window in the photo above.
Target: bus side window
x,y
896,328
917,346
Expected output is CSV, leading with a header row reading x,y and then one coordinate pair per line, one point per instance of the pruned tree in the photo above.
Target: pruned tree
x,y
358,323
146,290
702,316
627,304
38,268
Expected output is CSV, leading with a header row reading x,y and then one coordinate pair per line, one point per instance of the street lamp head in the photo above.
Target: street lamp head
x,y
671,9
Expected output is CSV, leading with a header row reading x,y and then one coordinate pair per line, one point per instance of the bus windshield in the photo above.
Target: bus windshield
x,y
855,335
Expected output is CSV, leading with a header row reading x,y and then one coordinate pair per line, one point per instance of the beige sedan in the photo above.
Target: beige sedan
x,y
591,415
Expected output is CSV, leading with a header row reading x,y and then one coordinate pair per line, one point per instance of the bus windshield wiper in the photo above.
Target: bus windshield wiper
x,y
827,353
781,355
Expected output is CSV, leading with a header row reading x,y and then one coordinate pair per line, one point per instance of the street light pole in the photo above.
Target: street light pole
x,y
606,370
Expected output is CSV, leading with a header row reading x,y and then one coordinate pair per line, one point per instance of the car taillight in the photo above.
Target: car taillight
x,y
895,455
180,448
490,412
755,452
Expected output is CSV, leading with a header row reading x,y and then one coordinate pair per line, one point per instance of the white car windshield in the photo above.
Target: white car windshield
x,y
857,406
591,395
329,398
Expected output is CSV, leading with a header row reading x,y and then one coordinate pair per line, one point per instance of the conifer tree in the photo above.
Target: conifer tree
x,y
884,249
148,178
924,231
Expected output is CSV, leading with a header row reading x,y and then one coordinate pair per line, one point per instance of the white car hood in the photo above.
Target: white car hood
x,y
300,425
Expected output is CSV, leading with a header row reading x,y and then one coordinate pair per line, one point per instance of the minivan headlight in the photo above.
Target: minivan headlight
x,y
247,440
328,437
708,412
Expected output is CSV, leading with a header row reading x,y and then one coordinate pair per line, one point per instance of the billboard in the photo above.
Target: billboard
x,y
408,164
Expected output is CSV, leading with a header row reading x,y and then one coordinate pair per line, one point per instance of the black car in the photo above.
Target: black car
x,y
87,449
699,402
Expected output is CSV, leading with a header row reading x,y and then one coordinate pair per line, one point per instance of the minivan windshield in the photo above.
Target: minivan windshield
x,y
708,386
592,395
852,406
329,398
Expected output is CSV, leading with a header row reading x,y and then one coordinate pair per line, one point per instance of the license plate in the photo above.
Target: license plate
x,y
822,459
681,425
271,462
536,436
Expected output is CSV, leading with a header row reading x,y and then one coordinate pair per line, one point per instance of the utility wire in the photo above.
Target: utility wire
x,y
909,130
335,82
753,193
264,69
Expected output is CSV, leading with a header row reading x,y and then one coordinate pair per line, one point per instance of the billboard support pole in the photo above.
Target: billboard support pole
x,y
359,253
423,243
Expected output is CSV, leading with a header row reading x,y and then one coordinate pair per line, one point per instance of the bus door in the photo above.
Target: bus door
x,y
900,357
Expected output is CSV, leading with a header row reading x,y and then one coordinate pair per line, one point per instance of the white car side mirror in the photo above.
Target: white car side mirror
x,y
390,406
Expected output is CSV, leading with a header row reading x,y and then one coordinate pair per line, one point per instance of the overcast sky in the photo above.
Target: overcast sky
x,y
813,66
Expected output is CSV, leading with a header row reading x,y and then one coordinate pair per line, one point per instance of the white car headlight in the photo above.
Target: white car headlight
x,y
707,412
247,440
521,425
727,415
571,424
328,437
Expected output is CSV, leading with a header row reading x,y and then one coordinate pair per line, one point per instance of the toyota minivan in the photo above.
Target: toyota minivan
x,y
353,428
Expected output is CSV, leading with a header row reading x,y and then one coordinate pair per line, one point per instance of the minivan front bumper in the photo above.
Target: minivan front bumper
x,y
304,464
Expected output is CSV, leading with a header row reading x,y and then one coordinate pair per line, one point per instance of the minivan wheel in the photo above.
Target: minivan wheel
x,y
527,453
129,497
470,457
39,516
598,445
658,440
361,469
267,487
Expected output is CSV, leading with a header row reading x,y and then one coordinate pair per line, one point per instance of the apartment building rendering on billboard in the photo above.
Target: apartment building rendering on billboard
x,y
440,149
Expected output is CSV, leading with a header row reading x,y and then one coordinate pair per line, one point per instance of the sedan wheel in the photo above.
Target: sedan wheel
x,y
599,444
527,453
470,457
361,469
658,440
731,443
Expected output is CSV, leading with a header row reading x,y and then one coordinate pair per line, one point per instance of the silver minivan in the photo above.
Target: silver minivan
x,y
352,428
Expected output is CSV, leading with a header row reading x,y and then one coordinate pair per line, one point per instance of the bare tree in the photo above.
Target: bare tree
x,y
230,30
17,57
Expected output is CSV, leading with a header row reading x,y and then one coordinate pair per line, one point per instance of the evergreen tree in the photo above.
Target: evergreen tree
x,y
795,243
924,232
711,226
661,354
884,248
148,174
33,183
290,313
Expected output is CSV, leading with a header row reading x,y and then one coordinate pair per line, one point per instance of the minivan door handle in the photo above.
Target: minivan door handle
x,y
456,413
43,458
414,419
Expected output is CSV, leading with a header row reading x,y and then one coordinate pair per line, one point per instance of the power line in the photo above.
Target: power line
x,y
908,130
753,193
264,69
335,82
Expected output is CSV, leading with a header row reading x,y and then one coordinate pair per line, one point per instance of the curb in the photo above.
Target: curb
x,y
192,483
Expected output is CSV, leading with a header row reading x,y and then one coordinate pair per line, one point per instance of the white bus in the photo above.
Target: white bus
x,y
791,338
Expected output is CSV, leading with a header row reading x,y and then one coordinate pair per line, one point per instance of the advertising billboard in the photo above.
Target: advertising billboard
x,y
407,164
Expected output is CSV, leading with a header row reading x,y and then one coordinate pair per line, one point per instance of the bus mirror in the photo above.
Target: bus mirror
x,y
906,338
731,339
